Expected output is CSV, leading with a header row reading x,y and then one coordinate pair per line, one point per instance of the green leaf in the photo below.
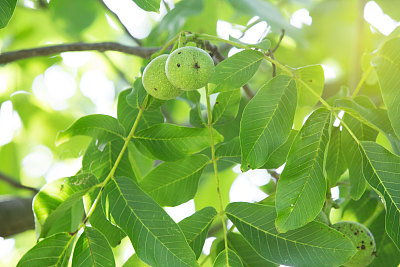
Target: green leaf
x,y
246,252
229,150
314,77
383,173
137,96
227,258
301,188
156,238
174,20
236,71
51,251
266,121
92,249
335,164
100,159
365,110
134,261
174,183
353,155
149,5
387,253
192,98
127,114
263,45
169,142
314,244
53,205
99,220
6,11
99,126
278,157
387,67
226,107
195,228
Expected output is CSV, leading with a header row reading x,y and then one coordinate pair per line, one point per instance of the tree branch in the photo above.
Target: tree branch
x,y
16,216
144,52
274,174
15,183
139,43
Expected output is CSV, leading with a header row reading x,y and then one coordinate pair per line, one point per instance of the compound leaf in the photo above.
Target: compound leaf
x,y
382,169
266,121
246,252
174,183
169,142
92,249
314,244
335,163
99,126
227,258
195,228
149,5
54,204
226,106
156,238
6,11
301,188
387,67
353,156
51,251
236,71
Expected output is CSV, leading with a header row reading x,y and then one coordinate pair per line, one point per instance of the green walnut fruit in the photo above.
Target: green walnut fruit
x,y
189,68
156,82
363,240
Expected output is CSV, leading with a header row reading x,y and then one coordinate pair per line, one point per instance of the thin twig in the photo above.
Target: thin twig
x,y
137,41
279,41
272,51
271,54
144,52
15,183
274,174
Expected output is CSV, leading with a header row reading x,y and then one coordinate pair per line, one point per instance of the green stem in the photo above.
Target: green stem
x,y
165,47
288,71
214,161
363,78
203,36
114,168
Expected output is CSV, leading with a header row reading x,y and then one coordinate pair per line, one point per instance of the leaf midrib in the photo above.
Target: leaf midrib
x,y
155,237
312,167
177,180
376,174
234,73
269,120
286,239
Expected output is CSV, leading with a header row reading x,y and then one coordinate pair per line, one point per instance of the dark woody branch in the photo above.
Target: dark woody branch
x,y
144,52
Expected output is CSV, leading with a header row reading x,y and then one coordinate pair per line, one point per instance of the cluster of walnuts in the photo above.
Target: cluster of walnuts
x,y
187,68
